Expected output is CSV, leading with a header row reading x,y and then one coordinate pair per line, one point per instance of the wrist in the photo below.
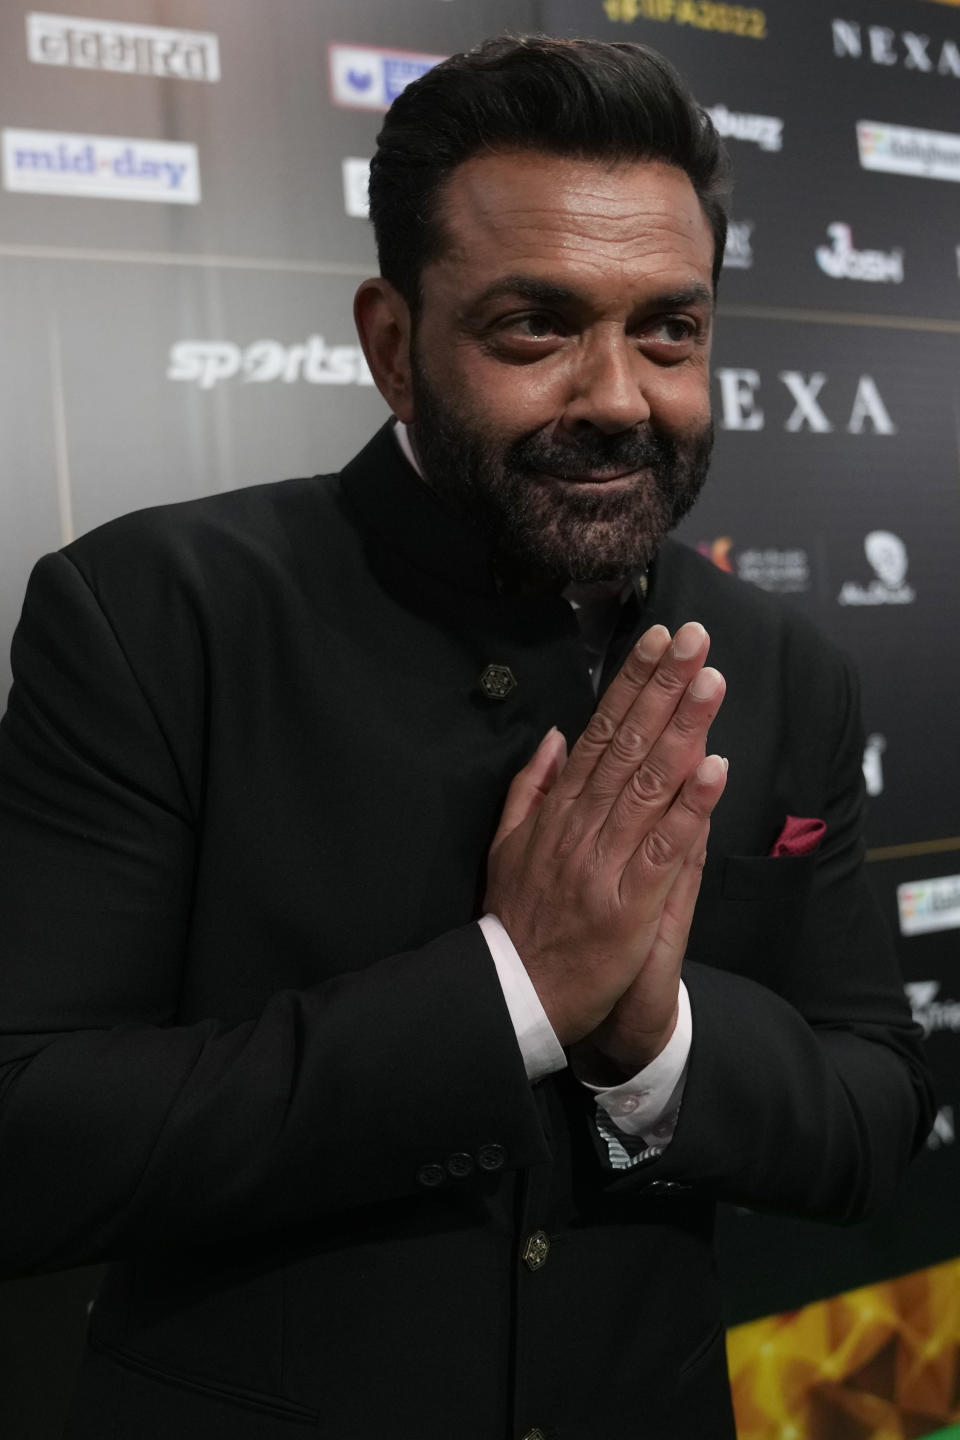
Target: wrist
x,y
613,1054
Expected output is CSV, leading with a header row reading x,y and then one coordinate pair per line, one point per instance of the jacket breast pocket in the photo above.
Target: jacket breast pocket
x,y
756,925
765,879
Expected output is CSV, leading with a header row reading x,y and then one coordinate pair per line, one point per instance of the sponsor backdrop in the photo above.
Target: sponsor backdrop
x,y
182,225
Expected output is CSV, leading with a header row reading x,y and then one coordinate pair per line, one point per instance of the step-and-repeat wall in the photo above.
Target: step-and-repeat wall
x,y
182,227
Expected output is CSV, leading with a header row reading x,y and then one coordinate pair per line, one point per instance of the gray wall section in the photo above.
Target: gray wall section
x,y
101,413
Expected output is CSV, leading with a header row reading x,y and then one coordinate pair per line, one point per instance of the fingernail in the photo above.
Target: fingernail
x,y
688,640
711,770
706,684
653,642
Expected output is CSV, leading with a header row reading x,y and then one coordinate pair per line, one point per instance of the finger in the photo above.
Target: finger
x,y
616,701
654,784
653,714
670,946
629,742
531,784
651,871
645,655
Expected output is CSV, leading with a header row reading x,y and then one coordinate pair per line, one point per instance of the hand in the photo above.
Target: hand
x,y
587,853
645,1017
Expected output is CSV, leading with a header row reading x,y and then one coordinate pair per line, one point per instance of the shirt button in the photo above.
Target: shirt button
x,y
459,1165
535,1250
491,1157
662,1130
431,1176
624,1105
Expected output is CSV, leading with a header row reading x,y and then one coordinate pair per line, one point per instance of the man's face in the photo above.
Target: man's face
x,y
560,362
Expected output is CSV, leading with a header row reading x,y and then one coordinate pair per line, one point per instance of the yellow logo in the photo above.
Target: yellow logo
x,y
702,14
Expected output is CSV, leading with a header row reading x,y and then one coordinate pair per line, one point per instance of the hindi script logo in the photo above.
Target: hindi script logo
x,y
116,45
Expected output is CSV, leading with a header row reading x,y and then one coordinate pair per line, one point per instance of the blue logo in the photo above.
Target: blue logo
x,y
398,73
359,79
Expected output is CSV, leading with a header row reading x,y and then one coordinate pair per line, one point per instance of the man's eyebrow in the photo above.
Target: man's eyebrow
x,y
686,296
544,292
527,287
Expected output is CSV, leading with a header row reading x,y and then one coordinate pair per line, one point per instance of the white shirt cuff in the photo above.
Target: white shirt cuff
x,y
541,1050
647,1105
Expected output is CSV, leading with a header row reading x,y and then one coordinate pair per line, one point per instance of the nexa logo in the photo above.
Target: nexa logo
x,y
929,1012
883,46
740,408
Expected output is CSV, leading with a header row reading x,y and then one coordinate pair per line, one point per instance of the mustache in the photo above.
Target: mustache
x,y
593,452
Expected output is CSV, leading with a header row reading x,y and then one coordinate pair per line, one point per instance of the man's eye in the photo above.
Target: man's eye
x,y
674,329
535,325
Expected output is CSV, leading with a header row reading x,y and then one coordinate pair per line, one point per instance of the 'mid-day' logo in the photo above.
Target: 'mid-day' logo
x,y
107,167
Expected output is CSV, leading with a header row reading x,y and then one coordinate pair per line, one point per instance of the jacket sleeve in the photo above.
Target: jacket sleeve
x,y
121,1128
807,1090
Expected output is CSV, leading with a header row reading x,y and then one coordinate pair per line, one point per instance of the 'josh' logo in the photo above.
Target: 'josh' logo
x,y
842,262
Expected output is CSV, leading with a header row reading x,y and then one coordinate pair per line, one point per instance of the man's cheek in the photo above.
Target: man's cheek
x,y
519,401
681,404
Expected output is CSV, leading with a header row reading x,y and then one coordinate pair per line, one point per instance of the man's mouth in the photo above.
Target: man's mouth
x,y
597,478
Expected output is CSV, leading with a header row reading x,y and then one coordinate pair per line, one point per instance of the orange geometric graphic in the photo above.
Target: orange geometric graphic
x,y
879,1363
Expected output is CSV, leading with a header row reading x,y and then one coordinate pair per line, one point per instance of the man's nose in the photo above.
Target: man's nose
x,y
608,387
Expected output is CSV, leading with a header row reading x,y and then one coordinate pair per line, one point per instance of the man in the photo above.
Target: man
x,y
376,1074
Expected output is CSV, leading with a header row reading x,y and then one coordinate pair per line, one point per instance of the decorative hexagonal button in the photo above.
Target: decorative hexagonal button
x,y
497,681
535,1250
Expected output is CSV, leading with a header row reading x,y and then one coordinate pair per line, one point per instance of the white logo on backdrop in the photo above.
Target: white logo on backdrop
x,y
785,572
873,763
740,408
944,1130
367,78
890,47
842,262
356,180
763,130
887,555
738,254
116,45
108,167
929,1012
207,363
905,150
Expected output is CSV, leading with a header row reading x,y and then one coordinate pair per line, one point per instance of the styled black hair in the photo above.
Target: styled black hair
x,y
587,99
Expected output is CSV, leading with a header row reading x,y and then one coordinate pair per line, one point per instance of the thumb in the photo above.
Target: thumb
x,y
531,785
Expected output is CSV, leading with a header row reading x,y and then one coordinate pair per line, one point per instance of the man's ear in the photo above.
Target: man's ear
x,y
382,318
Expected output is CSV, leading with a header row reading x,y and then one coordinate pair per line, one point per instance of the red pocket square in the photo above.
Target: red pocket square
x,y
798,836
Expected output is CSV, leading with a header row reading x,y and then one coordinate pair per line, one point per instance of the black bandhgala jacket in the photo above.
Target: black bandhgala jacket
x,y
248,779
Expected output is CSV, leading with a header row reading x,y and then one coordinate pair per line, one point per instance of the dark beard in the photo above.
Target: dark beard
x,y
542,531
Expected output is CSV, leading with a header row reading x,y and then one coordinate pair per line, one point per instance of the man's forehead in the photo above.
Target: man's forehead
x,y
493,183
521,211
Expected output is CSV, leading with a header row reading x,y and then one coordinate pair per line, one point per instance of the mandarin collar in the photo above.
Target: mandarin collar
x,y
384,491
